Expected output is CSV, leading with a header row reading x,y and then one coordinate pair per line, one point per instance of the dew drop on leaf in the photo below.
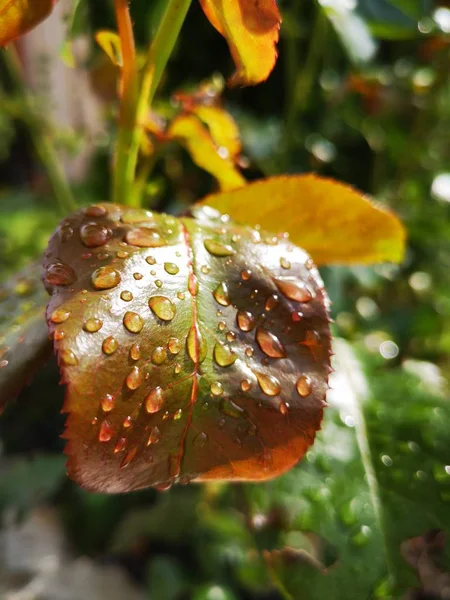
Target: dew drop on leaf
x,y
272,302
304,386
154,401
60,274
105,278
144,237
221,294
107,403
129,456
106,431
223,355
121,445
269,385
132,216
110,345
68,358
94,235
138,276
284,408
134,379
162,307
174,345
285,264
59,316
246,384
171,268
216,388
196,345
294,290
93,325
246,274
269,343
245,320
154,437
151,260
159,355
135,352
133,322
95,211
218,248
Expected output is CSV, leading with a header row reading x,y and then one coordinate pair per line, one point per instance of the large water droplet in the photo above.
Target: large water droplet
x,y
223,355
196,345
134,379
154,437
285,263
131,216
246,274
269,385
218,248
269,343
159,355
246,384
93,325
110,345
245,320
106,431
60,274
154,401
294,290
126,296
200,440
216,388
162,307
65,232
59,316
151,260
304,386
107,402
68,358
171,268
144,237
94,235
221,294
95,211
105,278
174,345
133,322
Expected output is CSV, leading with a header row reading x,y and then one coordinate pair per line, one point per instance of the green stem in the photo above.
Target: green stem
x,y
39,136
157,58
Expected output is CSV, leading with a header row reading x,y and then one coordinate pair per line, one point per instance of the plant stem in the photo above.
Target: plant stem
x,y
157,57
39,136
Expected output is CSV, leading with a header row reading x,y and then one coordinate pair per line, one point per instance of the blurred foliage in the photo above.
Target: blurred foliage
x,y
372,111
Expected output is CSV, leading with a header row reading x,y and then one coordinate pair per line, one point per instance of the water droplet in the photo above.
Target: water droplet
x,y
122,254
174,345
121,445
177,415
60,316
285,263
269,343
158,283
294,290
154,437
144,237
106,431
154,401
269,385
107,402
223,355
133,322
304,386
249,351
246,384
218,248
151,260
200,440
65,232
196,345
159,355
245,320
102,255
284,409
93,325
94,235
95,211
246,274
4,363
205,269
126,296
272,302
134,379
221,294
216,388
135,352
110,345
177,368
129,456
60,274
296,316
105,278
162,307
309,264
171,268
68,358
132,216
231,336
138,276
58,335
181,295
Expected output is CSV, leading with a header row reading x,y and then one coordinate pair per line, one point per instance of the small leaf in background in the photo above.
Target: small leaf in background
x,y
199,142
24,342
333,222
192,348
110,43
251,28
394,19
75,22
19,16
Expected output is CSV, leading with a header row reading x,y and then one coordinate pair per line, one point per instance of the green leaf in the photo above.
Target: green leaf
x,y
192,348
24,342
394,19
375,478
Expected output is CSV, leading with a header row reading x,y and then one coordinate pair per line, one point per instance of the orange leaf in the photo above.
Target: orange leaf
x,y
197,140
19,16
251,28
333,222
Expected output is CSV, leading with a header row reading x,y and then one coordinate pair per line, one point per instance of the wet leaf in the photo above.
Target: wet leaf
x,y
19,16
333,222
24,342
213,150
188,350
251,28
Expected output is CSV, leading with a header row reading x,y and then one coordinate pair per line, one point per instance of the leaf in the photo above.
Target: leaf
x,y
199,142
19,16
191,348
394,19
24,342
251,28
110,43
375,477
333,222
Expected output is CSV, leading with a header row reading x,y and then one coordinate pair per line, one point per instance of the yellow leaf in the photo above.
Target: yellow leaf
x,y
19,16
110,43
332,221
194,136
251,28
222,128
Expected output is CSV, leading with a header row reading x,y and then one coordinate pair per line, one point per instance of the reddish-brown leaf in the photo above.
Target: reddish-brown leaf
x,y
19,16
191,348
